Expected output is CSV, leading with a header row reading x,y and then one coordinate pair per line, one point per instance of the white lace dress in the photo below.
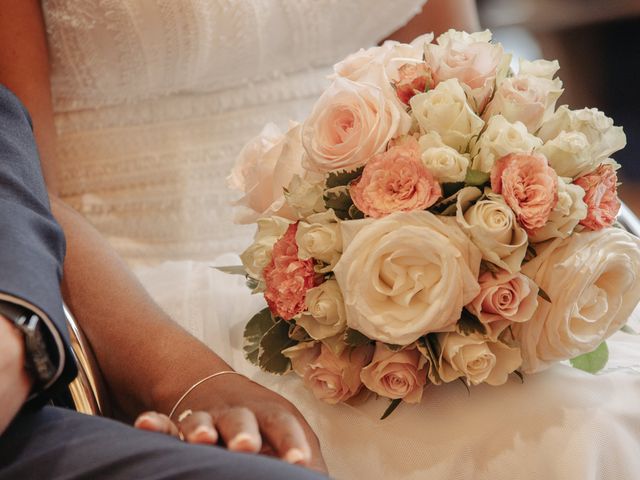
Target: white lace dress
x,y
154,98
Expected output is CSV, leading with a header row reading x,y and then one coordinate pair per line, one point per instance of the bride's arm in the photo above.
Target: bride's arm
x,y
438,16
148,361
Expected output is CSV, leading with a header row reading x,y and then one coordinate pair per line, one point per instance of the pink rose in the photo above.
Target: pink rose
x,y
287,277
399,374
504,298
469,58
601,187
332,378
414,78
350,123
395,181
263,168
529,186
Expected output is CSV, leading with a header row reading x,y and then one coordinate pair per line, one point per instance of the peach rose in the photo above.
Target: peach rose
x,y
529,186
504,298
331,378
349,124
287,277
529,97
263,168
394,375
601,197
414,78
469,58
395,181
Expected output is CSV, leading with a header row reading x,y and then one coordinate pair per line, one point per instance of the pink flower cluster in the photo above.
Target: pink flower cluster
x,y
287,277
603,204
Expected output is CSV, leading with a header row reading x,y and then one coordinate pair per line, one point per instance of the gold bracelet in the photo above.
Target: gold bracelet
x,y
193,387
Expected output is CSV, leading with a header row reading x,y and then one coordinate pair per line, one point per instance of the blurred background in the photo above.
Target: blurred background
x,y
597,43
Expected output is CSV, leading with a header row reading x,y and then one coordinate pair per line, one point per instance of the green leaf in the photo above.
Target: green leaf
x,y
449,189
393,347
342,178
232,270
270,357
476,178
430,348
629,330
298,333
469,324
255,329
592,362
252,283
339,199
354,338
394,404
543,294
447,205
354,213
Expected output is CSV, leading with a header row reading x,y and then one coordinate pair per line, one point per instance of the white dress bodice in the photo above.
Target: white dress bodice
x,y
153,99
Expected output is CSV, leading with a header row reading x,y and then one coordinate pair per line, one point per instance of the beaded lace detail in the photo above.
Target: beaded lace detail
x,y
153,100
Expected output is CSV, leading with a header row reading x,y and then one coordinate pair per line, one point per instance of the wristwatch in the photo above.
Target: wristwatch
x,y
38,361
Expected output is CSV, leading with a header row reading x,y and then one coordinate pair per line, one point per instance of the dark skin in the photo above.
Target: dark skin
x,y
157,361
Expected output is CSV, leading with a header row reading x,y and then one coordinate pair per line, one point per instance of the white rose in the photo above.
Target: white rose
x,y
493,228
603,137
499,139
526,97
406,275
319,237
566,215
325,316
350,123
258,255
263,168
593,280
445,163
305,195
476,359
570,154
445,110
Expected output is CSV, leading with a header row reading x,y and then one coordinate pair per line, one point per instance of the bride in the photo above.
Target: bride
x,y
151,102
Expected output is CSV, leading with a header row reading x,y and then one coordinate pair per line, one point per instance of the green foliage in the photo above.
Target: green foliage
x,y
592,362
255,329
392,406
298,333
342,178
449,189
354,338
476,178
429,347
544,295
232,269
274,341
469,324
393,347
629,330
338,199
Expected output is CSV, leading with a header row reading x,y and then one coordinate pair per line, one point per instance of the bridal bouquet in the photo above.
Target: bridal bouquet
x,y
435,218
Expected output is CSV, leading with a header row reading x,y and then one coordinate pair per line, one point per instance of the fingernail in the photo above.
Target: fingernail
x,y
204,434
243,442
294,455
147,422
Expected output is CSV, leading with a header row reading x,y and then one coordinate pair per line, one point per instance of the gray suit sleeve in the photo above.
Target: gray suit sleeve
x,y
32,244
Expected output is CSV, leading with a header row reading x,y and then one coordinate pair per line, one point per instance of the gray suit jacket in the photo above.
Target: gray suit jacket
x,y
32,244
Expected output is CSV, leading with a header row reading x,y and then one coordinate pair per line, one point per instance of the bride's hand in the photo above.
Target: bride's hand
x,y
244,417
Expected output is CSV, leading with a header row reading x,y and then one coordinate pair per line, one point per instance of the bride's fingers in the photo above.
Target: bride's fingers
x,y
238,428
156,422
198,428
284,432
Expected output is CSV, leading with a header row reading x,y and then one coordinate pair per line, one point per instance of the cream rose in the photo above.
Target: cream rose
x,y
492,227
394,375
319,237
603,137
350,123
263,168
476,359
258,255
505,298
499,139
304,194
406,275
593,280
569,154
445,110
565,216
527,97
325,315
445,163
331,377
